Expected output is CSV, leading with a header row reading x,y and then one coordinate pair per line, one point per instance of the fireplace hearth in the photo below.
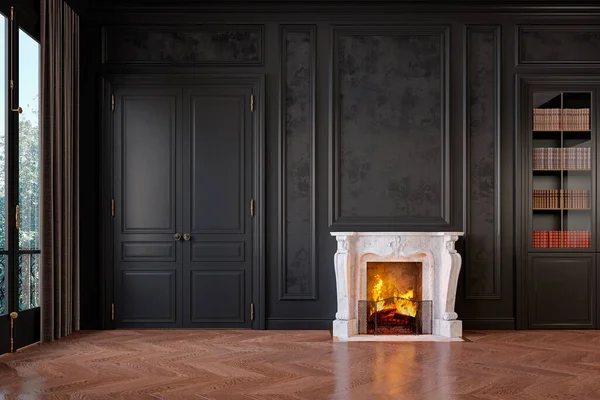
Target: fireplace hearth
x,y
396,286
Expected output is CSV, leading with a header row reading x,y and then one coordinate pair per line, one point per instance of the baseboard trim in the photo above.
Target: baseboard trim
x,y
299,324
488,323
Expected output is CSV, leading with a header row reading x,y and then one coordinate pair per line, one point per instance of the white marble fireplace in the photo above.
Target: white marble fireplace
x,y
439,275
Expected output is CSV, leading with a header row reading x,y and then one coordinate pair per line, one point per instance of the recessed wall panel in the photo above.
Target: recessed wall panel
x,y
390,126
233,45
298,261
482,262
559,44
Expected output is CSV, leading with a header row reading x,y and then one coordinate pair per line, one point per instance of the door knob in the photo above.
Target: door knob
x,y
186,236
177,236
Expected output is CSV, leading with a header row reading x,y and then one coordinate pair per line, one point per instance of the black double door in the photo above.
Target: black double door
x,y
183,206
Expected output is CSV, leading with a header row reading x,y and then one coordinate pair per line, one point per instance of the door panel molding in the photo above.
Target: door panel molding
x,y
148,251
150,282
218,251
216,300
167,167
239,105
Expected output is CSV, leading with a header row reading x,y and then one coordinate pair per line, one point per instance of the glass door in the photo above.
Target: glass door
x,y
27,209
5,333
19,184
562,172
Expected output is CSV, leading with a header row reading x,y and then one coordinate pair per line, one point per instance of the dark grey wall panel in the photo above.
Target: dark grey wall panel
x,y
482,240
297,164
390,127
559,44
235,45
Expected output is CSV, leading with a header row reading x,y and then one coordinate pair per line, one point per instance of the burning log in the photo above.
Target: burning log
x,y
390,316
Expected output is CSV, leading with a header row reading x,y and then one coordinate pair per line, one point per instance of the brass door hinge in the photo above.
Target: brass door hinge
x,y
17,217
251,103
252,208
112,103
251,311
112,312
112,207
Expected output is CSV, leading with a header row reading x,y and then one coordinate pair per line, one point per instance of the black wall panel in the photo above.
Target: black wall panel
x,y
390,126
482,241
569,45
297,164
183,45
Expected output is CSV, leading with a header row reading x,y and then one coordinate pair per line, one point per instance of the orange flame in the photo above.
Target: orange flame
x,y
401,302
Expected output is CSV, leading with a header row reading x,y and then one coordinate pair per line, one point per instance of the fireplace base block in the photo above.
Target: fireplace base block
x,y
345,329
449,329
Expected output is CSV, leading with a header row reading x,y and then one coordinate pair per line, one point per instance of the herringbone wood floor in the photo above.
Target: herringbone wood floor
x,y
304,365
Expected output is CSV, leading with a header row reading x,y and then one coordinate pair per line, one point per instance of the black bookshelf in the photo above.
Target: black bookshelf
x,y
561,171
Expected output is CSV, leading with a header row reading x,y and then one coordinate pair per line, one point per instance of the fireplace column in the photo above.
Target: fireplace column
x,y
446,323
345,324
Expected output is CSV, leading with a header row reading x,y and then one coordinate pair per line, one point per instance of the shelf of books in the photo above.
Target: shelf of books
x,y
561,198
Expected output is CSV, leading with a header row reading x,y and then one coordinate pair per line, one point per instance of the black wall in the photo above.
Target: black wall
x,y
379,116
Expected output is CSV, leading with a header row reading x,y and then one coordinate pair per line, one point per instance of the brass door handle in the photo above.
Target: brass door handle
x,y
18,217
13,316
177,236
186,236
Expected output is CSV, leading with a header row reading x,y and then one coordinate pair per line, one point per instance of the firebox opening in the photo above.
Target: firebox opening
x,y
393,304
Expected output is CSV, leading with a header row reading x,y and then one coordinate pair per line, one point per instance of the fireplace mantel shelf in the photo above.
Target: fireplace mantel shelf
x,y
440,262
397,233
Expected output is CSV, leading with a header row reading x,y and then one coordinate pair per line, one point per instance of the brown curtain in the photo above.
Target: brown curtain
x,y
59,273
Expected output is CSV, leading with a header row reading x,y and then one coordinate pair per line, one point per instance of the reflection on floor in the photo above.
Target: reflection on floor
x,y
305,365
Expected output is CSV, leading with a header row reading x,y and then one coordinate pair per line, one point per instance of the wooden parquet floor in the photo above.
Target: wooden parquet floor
x,y
282,365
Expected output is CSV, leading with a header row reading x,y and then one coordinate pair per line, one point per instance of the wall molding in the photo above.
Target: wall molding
x,y
283,264
336,220
300,323
488,323
337,6
470,263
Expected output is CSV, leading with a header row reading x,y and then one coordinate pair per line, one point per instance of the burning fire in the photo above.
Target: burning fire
x,y
401,302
